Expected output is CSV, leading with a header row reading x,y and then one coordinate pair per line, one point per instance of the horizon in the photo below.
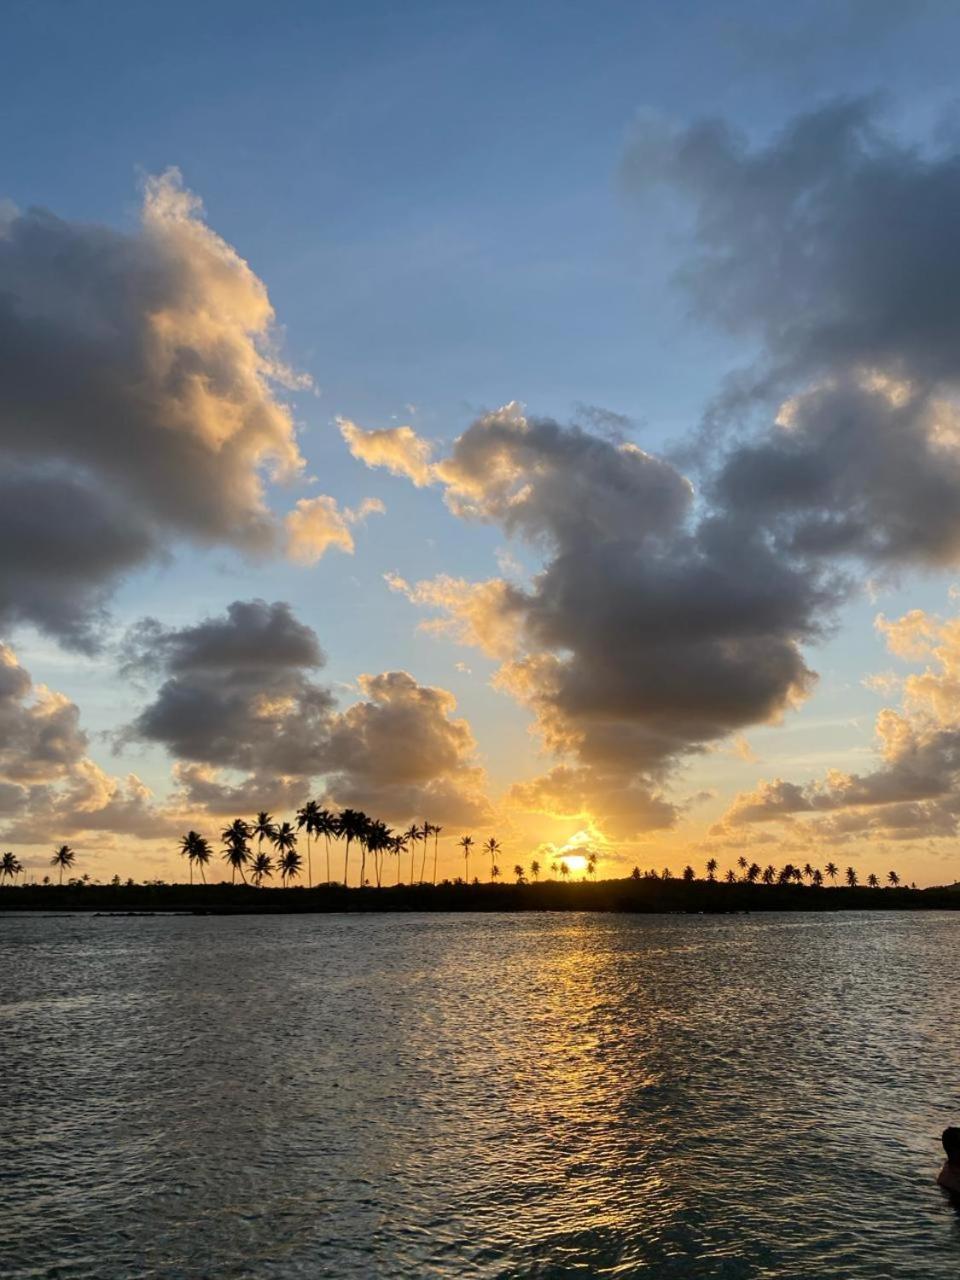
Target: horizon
x,y
539,424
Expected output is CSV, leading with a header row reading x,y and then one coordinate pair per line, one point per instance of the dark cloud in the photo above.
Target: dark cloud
x,y
834,246
137,404
648,634
240,710
834,243
238,691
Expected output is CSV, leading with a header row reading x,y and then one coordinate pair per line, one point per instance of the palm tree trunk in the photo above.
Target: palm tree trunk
x,y
346,862
436,837
309,863
326,840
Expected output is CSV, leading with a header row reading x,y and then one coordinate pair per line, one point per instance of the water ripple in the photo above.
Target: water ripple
x,y
497,1097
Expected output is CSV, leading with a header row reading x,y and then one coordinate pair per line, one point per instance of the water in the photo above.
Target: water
x,y
478,1096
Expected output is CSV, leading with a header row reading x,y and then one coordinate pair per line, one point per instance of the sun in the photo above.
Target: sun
x,y
576,862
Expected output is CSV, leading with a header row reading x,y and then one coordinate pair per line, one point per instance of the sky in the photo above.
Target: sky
x,y
536,419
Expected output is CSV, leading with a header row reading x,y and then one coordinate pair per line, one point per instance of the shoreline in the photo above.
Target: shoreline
x,y
605,896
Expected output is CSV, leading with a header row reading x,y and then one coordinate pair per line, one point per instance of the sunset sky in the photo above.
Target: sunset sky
x,y
538,419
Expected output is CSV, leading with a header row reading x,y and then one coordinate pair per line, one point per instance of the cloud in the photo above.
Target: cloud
x,y
833,246
914,791
316,524
398,449
401,751
160,419
48,783
237,690
648,633
240,710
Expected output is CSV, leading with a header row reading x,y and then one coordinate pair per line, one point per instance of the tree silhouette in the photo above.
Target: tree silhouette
x,y
308,817
535,869
688,874
519,873
261,866
328,826
591,863
851,877
436,851
237,853
285,843
712,869
817,878
289,863
492,848
350,826
263,828
872,881
768,875
414,835
64,857
564,869
731,876
832,871
195,849
9,866
893,879
466,844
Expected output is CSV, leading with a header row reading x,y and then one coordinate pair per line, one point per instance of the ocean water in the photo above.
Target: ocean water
x,y
478,1096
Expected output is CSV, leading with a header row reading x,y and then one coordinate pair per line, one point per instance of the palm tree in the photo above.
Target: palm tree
x,y
893,879
308,817
494,874
851,877
872,881
261,866
564,869
290,861
328,826
237,853
492,847
817,878
187,845
731,876
753,873
436,840
519,873
535,869
466,844
263,828
591,863
425,831
769,874
379,839
712,869
350,826
398,846
285,841
63,857
832,871
742,864
414,835
9,866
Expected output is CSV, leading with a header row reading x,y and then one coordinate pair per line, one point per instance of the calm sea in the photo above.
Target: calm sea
x,y
478,1096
